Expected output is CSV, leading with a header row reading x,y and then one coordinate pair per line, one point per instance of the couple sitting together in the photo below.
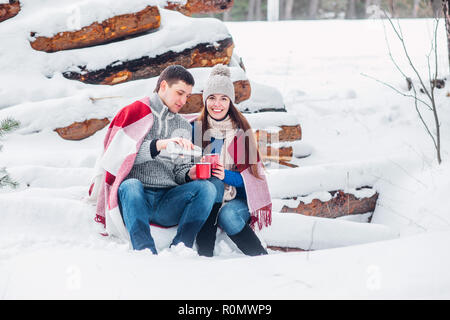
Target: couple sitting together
x,y
139,184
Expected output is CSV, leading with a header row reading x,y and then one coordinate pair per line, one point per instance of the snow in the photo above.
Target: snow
x,y
355,132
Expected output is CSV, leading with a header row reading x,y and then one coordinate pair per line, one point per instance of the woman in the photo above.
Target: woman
x,y
246,201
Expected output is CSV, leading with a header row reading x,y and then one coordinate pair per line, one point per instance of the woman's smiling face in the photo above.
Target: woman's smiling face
x,y
217,106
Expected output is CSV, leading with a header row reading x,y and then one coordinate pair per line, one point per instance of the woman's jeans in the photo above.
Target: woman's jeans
x,y
233,215
187,205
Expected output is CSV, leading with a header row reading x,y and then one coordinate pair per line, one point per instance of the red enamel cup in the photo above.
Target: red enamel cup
x,y
203,170
212,158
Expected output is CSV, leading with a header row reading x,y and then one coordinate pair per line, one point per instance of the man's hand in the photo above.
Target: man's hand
x,y
186,144
193,173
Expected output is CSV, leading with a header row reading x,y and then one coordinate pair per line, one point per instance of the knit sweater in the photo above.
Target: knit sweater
x,y
162,170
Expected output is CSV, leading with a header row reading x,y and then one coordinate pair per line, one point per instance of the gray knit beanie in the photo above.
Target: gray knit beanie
x,y
219,82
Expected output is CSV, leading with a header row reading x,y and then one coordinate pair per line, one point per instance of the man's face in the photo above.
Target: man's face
x,y
174,96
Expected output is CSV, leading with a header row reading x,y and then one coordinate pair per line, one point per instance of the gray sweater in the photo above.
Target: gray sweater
x,y
163,170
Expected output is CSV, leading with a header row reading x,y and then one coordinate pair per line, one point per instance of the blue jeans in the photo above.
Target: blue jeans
x,y
187,205
233,216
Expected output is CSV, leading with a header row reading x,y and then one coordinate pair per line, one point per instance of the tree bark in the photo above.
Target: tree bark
x,y
350,12
9,10
82,130
341,204
111,29
258,14
446,9
313,8
251,10
202,55
436,6
415,8
201,6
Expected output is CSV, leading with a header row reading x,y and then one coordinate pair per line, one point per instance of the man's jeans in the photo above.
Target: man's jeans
x,y
187,205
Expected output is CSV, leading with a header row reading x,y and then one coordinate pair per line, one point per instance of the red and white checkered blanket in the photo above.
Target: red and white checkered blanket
x,y
123,139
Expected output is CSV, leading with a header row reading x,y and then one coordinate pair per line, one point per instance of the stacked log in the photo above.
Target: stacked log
x,y
341,204
201,6
82,130
201,55
9,10
195,103
283,154
111,29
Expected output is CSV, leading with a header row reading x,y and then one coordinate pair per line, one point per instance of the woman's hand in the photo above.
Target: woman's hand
x,y
219,171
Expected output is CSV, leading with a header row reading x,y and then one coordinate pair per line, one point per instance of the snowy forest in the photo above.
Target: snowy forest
x,y
249,10
349,105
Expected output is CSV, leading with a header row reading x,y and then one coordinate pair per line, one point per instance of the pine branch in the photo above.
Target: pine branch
x,y
8,125
6,181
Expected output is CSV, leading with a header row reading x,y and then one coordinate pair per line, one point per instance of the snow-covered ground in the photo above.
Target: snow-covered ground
x,y
358,131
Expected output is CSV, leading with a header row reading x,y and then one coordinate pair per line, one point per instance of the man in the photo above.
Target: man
x,y
160,189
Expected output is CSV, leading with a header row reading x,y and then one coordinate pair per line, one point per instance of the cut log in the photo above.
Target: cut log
x,y
82,130
287,133
9,10
194,104
202,55
341,204
101,32
201,6
273,154
285,249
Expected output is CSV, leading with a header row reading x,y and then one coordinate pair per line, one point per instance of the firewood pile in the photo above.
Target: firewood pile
x,y
120,39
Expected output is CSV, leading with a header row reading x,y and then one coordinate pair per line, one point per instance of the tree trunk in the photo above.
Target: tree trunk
x,y
288,6
251,10
350,12
258,15
415,8
446,9
391,7
360,9
436,6
313,7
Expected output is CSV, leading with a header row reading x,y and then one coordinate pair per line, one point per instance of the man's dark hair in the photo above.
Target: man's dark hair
x,y
173,74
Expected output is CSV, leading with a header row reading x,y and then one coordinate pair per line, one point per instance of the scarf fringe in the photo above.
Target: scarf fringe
x,y
262,217
100,219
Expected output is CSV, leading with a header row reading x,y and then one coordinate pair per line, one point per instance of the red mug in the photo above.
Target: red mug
x,y
212,158
203,170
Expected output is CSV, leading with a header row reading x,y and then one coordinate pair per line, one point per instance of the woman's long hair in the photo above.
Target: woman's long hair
x,y
239,122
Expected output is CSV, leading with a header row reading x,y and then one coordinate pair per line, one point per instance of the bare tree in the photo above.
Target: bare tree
x,y
446,9
428,103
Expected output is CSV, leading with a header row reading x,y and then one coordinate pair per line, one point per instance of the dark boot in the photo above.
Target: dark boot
x,y
247,241
206,238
